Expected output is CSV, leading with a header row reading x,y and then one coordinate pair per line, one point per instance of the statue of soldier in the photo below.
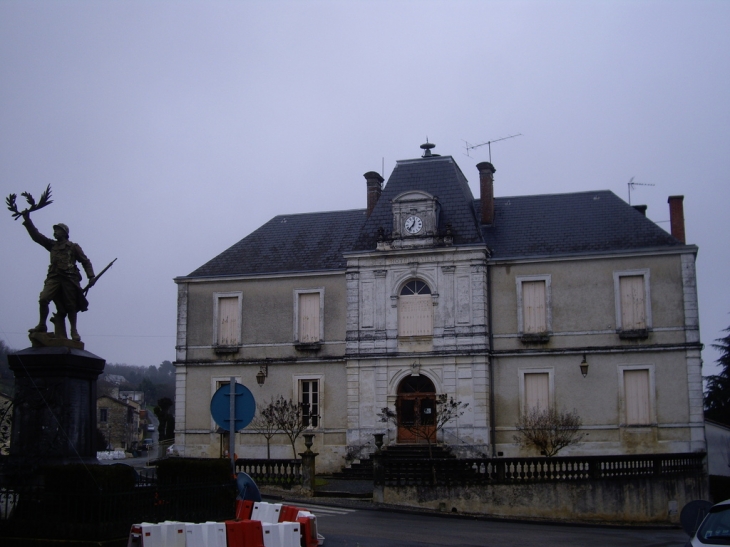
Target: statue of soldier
x,y
63,283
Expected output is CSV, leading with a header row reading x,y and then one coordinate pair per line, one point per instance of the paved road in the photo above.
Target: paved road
x,y
379,528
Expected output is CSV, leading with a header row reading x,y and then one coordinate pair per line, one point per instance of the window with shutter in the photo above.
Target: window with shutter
x,y
637,398
537,391
309,304
228,321
534,307
633,310
415,310
633,303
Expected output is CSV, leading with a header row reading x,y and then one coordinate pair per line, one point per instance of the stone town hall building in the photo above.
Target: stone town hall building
x,y
495,301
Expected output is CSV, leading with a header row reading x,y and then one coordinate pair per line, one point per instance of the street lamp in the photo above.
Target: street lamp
x,y
262,374
584,366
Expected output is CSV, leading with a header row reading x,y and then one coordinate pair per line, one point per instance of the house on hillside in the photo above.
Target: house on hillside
x,y
573,301
119,422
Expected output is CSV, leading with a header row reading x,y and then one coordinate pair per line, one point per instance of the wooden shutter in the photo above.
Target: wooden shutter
x,y
633,303
228,328
537,391
309,318
636,395
415,315
534,310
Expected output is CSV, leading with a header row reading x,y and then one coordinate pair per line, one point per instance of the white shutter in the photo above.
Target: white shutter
x,y
415,315
537,391
309,318
636,395
633,304
228,329
534,314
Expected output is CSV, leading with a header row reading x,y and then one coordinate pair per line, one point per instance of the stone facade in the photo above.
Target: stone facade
x,y
495,302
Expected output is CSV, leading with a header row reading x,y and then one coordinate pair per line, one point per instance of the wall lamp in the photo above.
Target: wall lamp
x,y
262,374
584,366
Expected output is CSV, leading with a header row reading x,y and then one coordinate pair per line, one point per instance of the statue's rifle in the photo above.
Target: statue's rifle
x,y
44,200
96,278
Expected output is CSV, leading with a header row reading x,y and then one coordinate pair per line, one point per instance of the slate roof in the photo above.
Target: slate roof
x,y
440,176
290,243
560,224
524,226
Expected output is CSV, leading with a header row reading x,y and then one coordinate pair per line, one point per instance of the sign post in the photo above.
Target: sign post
x,y
232,407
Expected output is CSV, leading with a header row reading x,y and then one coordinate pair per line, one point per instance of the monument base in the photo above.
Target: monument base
x,y
54,419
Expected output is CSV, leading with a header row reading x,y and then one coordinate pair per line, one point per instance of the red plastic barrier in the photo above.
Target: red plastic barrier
x,y
309,532
288,513
243,509
244,533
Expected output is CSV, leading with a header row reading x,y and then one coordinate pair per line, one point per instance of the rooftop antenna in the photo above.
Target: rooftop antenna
x,y
489,144
631,185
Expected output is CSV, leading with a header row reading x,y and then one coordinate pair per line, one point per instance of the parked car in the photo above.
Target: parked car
x,y
714,528
172,450
146,444
150,427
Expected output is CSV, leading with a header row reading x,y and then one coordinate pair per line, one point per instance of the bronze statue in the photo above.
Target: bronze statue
x,y
63,283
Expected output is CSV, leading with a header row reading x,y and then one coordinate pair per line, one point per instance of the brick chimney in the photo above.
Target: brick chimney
x,y
375,188
486,191
676,217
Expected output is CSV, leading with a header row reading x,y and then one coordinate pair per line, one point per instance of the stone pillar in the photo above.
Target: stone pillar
x,y
54,418
378,469
308,466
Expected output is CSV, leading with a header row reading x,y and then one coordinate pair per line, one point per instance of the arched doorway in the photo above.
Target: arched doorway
x,y
416,407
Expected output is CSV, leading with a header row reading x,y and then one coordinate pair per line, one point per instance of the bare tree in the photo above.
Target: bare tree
x,y
6,422
548,430
265,423
447,409
289,418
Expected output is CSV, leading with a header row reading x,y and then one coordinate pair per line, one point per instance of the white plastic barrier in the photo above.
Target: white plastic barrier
x,y
207,534
173,533
282,534
146,534
266,512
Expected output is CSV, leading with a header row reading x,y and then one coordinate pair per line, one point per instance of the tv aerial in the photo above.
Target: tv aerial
x,y
631,184
488,144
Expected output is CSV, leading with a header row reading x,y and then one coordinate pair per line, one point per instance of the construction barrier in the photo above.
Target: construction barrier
x,y
270,525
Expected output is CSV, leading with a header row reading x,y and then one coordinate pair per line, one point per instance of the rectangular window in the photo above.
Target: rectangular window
x,y
637,397
228,321
537,391
534,317
308,318
103,415
415,315
534,307
633,302
309,398
633,309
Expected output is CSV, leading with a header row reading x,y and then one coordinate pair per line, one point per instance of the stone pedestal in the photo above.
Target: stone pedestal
x,y
54,420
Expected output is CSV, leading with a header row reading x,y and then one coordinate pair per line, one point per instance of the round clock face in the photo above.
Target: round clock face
x,y
413,224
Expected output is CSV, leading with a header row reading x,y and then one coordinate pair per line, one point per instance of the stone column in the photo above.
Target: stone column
x,y
308,466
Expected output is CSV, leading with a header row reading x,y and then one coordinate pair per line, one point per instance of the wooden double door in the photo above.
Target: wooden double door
x,y
416,408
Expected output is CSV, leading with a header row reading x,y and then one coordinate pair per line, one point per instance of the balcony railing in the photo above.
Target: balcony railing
x,y
284,473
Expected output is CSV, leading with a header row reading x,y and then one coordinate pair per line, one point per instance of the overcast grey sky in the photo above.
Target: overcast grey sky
x,y
170,130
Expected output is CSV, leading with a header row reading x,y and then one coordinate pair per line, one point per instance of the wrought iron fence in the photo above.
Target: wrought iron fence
x,y
284,473
471,471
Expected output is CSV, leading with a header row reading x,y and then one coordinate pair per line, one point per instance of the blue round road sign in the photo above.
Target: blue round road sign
x,y
220,407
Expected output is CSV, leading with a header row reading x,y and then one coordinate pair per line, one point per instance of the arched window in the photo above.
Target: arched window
x,y
415,309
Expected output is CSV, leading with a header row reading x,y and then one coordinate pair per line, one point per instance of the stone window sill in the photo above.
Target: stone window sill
x,y
535,338
226,349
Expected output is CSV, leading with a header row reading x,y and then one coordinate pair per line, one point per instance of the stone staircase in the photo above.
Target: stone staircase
x,y
363,470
